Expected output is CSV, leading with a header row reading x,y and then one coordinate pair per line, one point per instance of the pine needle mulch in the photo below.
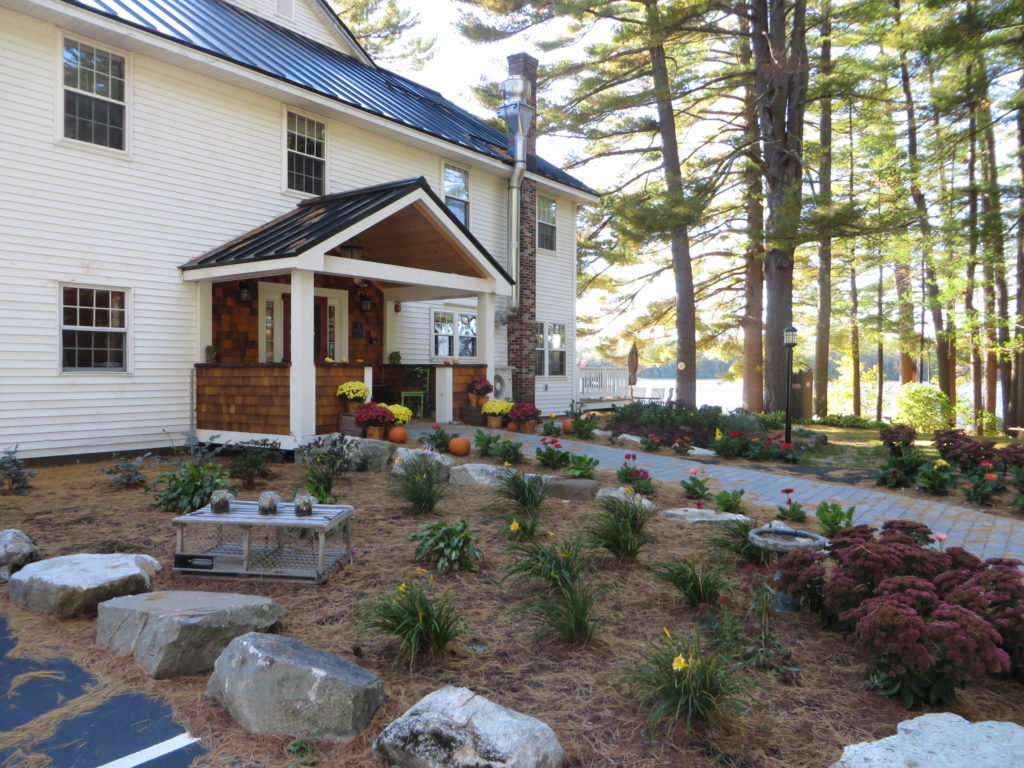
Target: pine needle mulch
x,y
578,691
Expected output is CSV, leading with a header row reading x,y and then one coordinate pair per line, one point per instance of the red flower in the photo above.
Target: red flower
x,y
986,464
436,426
786,446
787,491
735,434
968,486
700,505
991,476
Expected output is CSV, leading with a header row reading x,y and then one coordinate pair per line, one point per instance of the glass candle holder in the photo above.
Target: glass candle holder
x,y
304,504
220,501
268,503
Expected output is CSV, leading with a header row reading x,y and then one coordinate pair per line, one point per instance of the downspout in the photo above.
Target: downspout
x,y
518,115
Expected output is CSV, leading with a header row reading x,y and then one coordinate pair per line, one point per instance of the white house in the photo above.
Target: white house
x,y
206,202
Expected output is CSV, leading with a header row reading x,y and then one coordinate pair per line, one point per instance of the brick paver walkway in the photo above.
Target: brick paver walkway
x,y
984,534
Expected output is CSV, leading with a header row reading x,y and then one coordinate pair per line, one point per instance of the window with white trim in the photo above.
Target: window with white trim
x,y
547,216
307,152
93,329
550,349
454,334
456,192
94,95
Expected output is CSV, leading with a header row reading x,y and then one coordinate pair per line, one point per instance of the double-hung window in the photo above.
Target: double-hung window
x,y
94,95
93,329
307,152
454,334
550,349
547,216
456,192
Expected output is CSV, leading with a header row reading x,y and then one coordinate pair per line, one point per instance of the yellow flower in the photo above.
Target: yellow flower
x,y
551,415
941,463
398,460
718,434
515,525
403,588
550,533
507,464
423,570
667,633
679,663
628,490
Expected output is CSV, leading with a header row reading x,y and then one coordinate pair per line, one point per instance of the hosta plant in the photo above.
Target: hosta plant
x,y
189,487
730,501
832,518
582,466
448,546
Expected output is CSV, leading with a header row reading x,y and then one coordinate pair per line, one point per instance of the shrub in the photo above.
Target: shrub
x,y
731,447
551,429
581,466
420,483
850,421
421,623
937,478
832,518
923,406
509,451
527,492
619,528
485,442
565,611
733,537
584,428
900,471
698,585
188,487
436,439
897,438
730,501
13,473
250,463
344,452
555,562
679,683
447,547
551,455
127,473
695,487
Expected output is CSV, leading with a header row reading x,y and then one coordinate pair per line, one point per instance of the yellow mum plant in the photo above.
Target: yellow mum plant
x,y
354,390
496,407
402,414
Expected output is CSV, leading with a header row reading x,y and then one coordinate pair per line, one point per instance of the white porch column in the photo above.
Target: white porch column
x,y
443,391
204,318
485,331
302,397
388,340
368,379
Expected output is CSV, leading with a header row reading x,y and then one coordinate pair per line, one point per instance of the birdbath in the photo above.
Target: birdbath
x,y
780,538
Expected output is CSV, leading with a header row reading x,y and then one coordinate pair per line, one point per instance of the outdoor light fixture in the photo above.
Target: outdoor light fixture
x,y
244,292
789,341
398,307
351,250
364,302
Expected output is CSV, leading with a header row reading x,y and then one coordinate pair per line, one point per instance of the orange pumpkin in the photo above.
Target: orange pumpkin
x,y
481,399
398,434
567,426
458,446
512,426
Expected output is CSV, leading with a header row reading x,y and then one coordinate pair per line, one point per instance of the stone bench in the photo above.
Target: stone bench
x,y
180,633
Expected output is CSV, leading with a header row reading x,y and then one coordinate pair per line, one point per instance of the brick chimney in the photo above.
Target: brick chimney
x,y
522,325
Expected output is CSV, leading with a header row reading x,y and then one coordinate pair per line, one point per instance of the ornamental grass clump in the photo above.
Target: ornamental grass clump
x,y
420,483
321,475
698,584
733,538
447,546
555,563
527,492
565,611
423,624
679,683
620,526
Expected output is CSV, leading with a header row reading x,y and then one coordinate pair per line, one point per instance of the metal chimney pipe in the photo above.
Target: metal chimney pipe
x,y
518,116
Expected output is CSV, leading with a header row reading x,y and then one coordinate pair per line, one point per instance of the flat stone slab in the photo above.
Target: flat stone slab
x,y
620,493
176,633
73,585
455,728
16,550
476,474
402,455
572,488
689,515
277,686
941,740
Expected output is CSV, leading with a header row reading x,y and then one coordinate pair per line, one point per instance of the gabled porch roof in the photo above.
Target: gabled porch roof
x,y
408,236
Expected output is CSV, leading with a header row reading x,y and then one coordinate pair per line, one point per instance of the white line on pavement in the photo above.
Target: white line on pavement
x,y
151,753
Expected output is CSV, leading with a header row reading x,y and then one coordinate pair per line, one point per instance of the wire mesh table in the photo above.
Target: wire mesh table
x,y
242,542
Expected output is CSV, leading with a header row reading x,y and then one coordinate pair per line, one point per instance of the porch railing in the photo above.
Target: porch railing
x,y
603,383
243,397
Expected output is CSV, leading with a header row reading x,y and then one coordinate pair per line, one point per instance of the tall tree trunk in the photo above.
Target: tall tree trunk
x,y
997,301
970,312
824,324
686,310
752,323
881,347
781,73
905,322
1016,415
855,336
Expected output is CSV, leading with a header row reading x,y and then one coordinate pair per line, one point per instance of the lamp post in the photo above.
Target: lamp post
x,y
789,341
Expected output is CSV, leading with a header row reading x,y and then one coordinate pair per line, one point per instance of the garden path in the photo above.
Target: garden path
x,y
984,534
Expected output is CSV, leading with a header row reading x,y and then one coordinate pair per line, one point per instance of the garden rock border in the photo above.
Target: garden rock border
x,y
690,515
620,493
402,455
16,551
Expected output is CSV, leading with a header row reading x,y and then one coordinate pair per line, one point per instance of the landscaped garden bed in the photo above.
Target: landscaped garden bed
x,y
795,678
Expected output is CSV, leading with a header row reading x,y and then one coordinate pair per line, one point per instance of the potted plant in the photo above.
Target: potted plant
x,y
477,387
496,411
353,394
398,433
373,417
525,414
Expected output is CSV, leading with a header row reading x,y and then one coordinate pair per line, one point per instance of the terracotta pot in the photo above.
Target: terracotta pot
x,y
375,433
493,421
351,406
529,427
567,426
473,398
513,426
398,434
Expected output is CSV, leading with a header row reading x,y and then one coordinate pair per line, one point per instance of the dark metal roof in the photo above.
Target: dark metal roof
x,y
244,38
314,220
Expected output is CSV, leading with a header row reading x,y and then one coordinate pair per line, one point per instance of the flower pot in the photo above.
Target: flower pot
x,y
398,434
493,421
529,427
512,426
375,433
351,406
472,397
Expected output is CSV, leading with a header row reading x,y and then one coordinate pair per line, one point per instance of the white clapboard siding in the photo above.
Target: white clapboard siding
x,y
306,18
556,287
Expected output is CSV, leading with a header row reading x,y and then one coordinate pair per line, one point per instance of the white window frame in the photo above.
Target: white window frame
x,y
553,223
455,312
127,330
274,292
444,168
548,349
284,152
58,123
